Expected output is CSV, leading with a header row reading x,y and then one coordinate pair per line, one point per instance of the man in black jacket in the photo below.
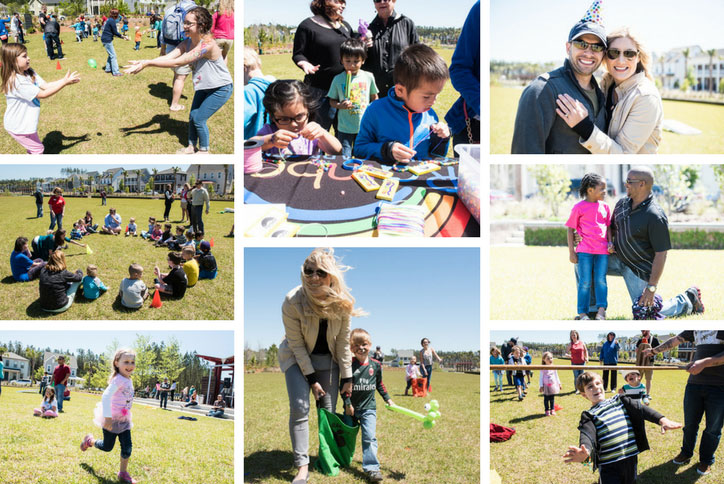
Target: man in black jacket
x,y
52,36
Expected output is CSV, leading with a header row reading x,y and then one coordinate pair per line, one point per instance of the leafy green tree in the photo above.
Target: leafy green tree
x,y
271,356
72,8
553,184
145,361
719,175
673,182
171,360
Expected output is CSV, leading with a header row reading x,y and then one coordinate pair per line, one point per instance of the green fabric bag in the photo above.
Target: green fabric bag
x,y
336,442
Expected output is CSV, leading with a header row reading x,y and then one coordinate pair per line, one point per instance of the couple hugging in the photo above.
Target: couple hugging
x,y
566,111
631,242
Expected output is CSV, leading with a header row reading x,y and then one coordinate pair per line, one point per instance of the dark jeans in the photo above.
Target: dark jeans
x,y
326,114
109,440
427,374
614,376
167,208
198,223
164,400
216,413
549,402
700,400
39,213
347,141
51,39
461,137
621,472
576,374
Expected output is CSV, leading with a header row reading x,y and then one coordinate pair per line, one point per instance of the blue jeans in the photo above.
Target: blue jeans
x,y
59,392
698,401
198,224
576,374
55,218
347,141
206,102
368,424
498,375
112,62
679,305
109,440
39,213
596,265
427,373
163,401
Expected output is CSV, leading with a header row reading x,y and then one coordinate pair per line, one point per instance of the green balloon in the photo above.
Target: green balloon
x,y
434,405
428,424
92,63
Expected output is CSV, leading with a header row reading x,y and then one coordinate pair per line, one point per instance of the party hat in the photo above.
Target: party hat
x,y
88,250
57,66
156,303
594,13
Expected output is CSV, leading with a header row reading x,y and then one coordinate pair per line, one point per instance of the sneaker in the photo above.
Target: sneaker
x,y
86,442
126,477
694,294
117,74
681,459
553,412
548,413
520,397
374,476
703,469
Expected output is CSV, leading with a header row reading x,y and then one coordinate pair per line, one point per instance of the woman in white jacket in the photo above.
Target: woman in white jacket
x,y
315,352
633,103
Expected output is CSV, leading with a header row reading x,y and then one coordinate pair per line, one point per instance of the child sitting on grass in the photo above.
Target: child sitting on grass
x,y
78,230
146,234
133,290
612,432
207,262
189,240
166,236
131,228
291,107
49,405
156,233
198,238
90,227
175,282
191,266
402,126
411,372
178,242
92,285
360,404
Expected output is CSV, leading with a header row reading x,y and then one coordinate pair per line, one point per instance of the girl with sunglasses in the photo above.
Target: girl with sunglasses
x,y
315,352
633,103
292,130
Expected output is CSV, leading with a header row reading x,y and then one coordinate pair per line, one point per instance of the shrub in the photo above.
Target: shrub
x,y
688,239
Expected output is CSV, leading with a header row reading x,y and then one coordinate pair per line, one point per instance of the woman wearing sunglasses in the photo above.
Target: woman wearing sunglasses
x,y
315,352
633,103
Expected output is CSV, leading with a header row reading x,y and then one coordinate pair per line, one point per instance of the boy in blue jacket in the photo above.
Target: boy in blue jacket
x,y
402,126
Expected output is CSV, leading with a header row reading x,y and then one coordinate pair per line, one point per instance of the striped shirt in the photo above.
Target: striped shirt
x,y
634,392
614,432
639,233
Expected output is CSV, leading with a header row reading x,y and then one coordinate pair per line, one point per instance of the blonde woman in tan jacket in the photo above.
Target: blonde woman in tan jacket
x,y
633,103
315,352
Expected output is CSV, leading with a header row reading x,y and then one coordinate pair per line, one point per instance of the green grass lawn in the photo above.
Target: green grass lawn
x,y
208,299
282,67
165,449
534,453
449,453
706,117
106,114
538,283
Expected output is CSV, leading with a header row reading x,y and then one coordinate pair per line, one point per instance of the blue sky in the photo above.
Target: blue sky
x,y
422,12
213,343
500,336
410,293
528,30
31,170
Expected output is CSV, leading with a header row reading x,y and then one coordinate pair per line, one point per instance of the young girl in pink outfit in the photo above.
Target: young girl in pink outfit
x,y
550,384
591,218
113,413
49,407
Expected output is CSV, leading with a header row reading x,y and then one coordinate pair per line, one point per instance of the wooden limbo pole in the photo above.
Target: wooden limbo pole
x,y
582,367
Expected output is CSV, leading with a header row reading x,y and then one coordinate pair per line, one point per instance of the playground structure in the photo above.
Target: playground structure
x,y
214,384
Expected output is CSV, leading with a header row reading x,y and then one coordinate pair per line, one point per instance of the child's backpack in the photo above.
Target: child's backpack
x,y
172,25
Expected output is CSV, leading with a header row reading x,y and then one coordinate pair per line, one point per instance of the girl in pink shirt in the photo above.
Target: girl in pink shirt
x,y
113,413
222,27
591,218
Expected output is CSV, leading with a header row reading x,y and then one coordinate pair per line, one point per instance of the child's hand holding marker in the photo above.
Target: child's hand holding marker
x,y
402,153
440,129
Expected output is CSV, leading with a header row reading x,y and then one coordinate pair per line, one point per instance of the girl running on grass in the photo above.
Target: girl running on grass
x,y
550,384
24,88
49,406
113,413
591,218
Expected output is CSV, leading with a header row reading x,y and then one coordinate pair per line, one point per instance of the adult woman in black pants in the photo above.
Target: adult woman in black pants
x,y
316,51
168,201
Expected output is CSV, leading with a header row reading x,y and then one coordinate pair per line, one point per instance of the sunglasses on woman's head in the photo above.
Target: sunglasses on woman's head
x,y
310,272
614,54
583,45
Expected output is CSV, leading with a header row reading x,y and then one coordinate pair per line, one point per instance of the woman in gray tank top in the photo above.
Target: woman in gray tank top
x,y
212,81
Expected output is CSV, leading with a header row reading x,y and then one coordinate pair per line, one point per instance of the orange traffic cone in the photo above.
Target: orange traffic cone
x,y
211,242
57,66
156,303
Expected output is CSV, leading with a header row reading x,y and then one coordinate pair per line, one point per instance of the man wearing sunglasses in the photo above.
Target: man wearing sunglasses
x,y
538,129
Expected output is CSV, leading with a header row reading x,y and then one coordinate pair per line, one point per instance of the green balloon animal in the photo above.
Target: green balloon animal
x,y
428,421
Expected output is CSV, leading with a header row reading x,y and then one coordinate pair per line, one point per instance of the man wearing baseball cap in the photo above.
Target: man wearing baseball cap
x,y
538,129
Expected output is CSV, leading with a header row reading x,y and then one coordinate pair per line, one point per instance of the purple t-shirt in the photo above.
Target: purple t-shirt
x,y
298,146
591,220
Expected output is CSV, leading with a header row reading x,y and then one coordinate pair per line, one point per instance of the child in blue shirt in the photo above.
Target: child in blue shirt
x,y
351,92
255,84
402,126
92,285
496,359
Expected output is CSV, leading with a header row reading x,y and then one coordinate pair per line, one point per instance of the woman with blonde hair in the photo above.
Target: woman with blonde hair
x,y
634,110
315,352
223,26
58,286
